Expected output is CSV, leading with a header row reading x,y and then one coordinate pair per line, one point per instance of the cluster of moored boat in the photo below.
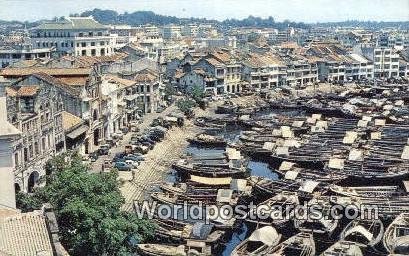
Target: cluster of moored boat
x,y
327,156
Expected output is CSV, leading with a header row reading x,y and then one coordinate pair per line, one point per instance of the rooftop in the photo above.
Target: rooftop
x,y
71,23
25,234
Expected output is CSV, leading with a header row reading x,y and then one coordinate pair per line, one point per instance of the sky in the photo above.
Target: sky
x,y
295,10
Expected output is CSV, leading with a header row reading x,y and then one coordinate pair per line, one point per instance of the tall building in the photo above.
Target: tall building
x,y
78,36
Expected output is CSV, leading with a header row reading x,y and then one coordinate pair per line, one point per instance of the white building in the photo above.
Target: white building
x,y
12,54
171,32
190,30
358,68
78,36
208,42
386,62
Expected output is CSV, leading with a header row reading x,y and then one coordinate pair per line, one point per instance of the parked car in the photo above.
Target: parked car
x,y
93,156
104,149
122,166
118,135
107,164
134,158
117,157
132,163
125,130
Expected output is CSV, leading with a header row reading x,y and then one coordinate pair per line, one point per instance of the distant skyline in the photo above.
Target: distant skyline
x,y
309,11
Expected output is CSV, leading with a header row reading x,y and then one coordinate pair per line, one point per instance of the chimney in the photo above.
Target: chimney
x,y
8,133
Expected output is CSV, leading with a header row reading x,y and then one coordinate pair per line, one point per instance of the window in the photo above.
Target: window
x,y
83,44
36,148
30,150
99,33
102,52
80,34
148,88
93,52
43,144
92,43
83,52
15,159
102,43
25,153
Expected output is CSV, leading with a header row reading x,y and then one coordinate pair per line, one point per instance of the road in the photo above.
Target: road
x,y
147,120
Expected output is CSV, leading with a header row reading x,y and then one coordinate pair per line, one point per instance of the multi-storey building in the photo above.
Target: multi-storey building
x,y
301,72
34,107
262,71
190,30
358,68
78,36
171,31
79,89
386,62
13,54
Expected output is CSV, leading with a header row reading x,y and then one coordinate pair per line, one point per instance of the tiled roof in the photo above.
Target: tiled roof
x,y
89,61
19,72
28,90
76,23
74,81
214,62
145,77
54,81
69,120
121,81
11,92
25,234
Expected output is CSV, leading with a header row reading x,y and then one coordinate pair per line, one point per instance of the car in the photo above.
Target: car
x,y
104,149
118,134
93,156
118,156
134,158
132,163
125,130
122,166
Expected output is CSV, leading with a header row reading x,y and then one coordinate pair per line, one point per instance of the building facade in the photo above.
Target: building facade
x,y
77,36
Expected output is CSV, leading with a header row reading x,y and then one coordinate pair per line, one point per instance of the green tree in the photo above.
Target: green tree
x,y
197,93
87,207
186,105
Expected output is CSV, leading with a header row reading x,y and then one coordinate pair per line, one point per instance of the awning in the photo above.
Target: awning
x,y
211,181
77,132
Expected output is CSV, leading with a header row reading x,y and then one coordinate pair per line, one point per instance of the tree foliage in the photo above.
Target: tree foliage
x,y
87,207
186,105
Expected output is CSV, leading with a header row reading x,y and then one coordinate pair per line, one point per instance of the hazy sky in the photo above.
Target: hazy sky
x,y
295,10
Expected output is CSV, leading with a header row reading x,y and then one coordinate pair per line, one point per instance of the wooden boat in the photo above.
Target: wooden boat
x,y
208,140
185,188
291,171
305,188
310,223
301,244
276,209
258,242
222,223
200,249
383,207
363,231
368,191
223,196
343,248
207,170
198,231
396,237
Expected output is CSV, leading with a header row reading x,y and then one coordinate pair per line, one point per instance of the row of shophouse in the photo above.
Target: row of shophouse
x,y
230,71
58,107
